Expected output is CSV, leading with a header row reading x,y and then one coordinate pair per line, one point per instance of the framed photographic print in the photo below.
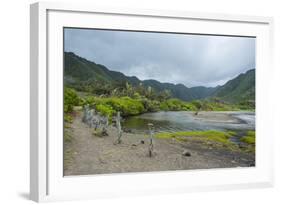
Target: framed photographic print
x,y
127,102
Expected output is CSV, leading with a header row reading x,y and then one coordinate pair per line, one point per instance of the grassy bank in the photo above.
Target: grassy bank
x,y
249,138
213,138
138,104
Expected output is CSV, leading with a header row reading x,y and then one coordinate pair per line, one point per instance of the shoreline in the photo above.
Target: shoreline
x,y
173,121
91,154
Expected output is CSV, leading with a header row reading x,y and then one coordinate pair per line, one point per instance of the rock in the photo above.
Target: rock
x,y
242,145
104,132
133,146
210,144
186,153
127,130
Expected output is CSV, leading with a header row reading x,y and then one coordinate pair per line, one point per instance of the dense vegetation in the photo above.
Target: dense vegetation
x,y
87,76
109,92
240,89
130,102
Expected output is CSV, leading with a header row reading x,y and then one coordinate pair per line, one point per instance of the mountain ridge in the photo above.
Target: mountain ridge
x,y
78,69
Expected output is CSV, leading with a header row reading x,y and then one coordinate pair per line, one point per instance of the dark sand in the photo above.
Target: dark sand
x,y
88,154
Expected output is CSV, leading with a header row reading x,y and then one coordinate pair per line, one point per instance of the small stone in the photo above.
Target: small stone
x,y
104,132
186,153
127,130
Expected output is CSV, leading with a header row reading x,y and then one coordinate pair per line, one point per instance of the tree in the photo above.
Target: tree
x,y
198,106
164,95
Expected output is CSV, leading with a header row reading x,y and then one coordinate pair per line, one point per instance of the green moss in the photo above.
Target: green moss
x,y
209,135
250,138
251,133
232,133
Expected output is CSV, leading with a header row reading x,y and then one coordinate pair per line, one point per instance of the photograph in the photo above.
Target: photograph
x,y
149,101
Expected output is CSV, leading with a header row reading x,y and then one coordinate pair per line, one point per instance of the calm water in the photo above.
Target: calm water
x,y
184,121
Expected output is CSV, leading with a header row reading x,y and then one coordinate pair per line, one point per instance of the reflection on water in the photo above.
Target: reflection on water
x,y
184,121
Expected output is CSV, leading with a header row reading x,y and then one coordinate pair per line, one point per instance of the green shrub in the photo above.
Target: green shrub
x,y
152,105
105,110
197,104
126,105
111,105
67,118
164,106
70,99
175,105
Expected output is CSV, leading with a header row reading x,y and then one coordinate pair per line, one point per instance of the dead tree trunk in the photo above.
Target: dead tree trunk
x,y
119,129
150,145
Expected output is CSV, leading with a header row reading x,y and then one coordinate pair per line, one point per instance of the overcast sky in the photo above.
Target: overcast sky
x,y
192,60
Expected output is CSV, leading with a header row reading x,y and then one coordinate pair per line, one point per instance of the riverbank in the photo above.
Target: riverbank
x,y
174,121
90,154
217,117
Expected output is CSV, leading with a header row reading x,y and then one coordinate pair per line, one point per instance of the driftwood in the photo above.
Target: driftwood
x,y
119,129
95,120
150,144
197,111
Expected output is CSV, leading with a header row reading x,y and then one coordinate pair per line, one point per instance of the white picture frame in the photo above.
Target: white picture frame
x,y
47,182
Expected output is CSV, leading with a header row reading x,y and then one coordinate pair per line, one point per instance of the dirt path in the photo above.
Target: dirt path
x,y
99,155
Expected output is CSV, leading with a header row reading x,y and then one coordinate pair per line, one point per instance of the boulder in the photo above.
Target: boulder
x,y
186,153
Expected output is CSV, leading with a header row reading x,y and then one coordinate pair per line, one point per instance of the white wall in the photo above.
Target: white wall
x,y
14,81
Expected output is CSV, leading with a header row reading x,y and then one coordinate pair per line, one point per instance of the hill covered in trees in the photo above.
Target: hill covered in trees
x,y
240,89
85,76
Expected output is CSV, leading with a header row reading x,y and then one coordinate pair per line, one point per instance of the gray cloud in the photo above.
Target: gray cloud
x,y
192,60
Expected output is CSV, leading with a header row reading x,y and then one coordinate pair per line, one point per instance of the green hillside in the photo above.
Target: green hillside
x,y
238,90
84,75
